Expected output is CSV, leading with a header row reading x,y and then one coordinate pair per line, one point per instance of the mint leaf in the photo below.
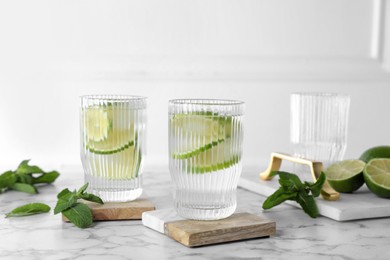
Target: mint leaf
x,y
25,188
63,193
83,188
24,168
91,197
274,173
7,179
77,213
80,215
307,203
23,178
278,197
48,178
290,181
316,187
65,202
292,188
28,209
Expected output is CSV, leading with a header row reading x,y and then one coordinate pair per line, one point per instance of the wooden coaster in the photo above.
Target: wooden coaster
x,y
194,233
118,210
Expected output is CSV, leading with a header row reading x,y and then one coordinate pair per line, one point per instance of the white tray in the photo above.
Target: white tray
x,y
362,204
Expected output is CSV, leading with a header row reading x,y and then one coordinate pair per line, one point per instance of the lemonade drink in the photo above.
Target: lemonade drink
x,y
205,148
112,145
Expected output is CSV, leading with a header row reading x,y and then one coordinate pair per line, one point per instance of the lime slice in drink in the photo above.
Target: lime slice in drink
x,y
377,177
346,176
200,129
97,123
204,141
120,166
109,129
216,158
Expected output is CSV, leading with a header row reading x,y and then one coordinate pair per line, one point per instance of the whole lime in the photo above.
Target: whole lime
x,y
376,152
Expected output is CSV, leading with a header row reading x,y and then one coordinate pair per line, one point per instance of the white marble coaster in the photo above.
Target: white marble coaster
x,y
362,204
156,219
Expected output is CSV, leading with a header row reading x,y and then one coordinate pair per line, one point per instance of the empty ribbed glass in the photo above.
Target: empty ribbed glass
x,y
319,125
205,149
113,145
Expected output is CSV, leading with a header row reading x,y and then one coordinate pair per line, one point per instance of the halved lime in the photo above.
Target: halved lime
x,y
346,176
377,177
376,152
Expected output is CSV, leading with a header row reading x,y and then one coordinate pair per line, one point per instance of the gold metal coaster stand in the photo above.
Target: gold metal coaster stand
x,y
327,192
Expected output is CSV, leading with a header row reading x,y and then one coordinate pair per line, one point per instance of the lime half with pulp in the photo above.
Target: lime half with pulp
x,y
377,177
346,176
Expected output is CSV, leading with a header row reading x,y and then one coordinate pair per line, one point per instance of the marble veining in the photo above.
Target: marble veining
x,y
297,235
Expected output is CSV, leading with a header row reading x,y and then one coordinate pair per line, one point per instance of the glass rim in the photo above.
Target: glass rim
x,y
320,94
112,97
206,102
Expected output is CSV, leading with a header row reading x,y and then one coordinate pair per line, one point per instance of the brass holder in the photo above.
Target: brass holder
x,y
327,192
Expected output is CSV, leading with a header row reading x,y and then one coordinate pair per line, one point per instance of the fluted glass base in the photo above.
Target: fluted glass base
x,y
114,190
207,206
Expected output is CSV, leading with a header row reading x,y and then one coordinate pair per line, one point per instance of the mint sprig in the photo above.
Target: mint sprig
x,y
25,177
77,213
28,210
292,188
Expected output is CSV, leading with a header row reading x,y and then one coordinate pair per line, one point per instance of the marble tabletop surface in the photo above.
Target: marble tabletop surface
x,y
297,236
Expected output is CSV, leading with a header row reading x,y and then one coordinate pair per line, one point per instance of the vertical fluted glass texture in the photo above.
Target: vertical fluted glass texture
x,y
113,145
319,125
205,149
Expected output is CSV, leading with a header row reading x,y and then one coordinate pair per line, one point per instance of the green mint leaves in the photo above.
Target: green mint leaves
x,y
80,215
28,210
25,177
77,213
292,188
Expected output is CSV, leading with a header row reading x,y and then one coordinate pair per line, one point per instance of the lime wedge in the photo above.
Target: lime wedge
x,y
346,176
377,177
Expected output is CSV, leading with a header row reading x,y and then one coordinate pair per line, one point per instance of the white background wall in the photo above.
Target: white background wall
x,y
258,51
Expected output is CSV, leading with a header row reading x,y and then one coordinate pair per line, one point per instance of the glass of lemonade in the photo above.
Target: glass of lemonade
x,y
205,149
113,145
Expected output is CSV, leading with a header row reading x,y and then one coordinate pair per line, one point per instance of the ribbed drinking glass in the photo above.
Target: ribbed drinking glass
x,y
205,149
113,145
319,126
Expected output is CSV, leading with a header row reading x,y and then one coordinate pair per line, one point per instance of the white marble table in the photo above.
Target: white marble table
x,y
297,237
